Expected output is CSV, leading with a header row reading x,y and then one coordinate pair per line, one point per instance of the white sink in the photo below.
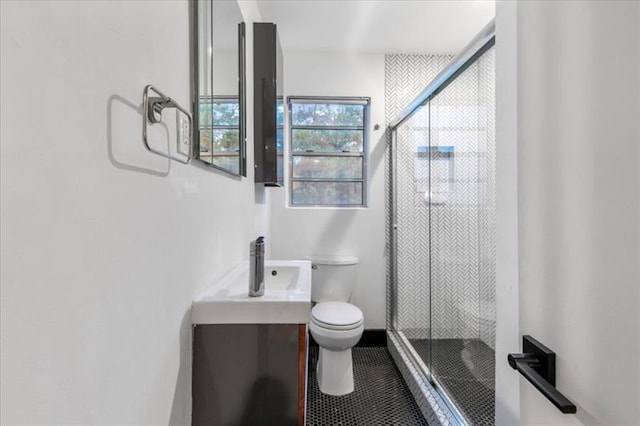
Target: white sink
x,y
286,299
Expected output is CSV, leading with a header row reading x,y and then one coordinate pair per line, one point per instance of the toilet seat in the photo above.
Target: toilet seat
x,y
336,316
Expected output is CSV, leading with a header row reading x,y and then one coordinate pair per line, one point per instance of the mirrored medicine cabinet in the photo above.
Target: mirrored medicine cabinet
x,y
218,85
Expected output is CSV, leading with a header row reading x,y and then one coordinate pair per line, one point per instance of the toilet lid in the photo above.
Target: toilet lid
x,y
336,314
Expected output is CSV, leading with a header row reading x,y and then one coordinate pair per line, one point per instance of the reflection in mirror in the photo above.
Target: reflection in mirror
x,y
219,51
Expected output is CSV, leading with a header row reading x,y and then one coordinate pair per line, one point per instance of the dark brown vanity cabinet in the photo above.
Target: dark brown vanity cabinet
x,y
249,374
268,107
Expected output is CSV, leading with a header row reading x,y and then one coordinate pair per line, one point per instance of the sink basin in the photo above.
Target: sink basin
x,y
286,299
284,277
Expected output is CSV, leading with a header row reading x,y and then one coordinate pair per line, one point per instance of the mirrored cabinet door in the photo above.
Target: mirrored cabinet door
x,y
218,86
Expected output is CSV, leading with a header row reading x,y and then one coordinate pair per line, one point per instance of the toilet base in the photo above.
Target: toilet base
x,y
335,372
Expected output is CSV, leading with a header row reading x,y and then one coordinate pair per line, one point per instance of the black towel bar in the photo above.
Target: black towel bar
x,y
537,364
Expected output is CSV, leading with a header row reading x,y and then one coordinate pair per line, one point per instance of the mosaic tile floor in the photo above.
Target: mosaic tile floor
x,y
380,397
465,368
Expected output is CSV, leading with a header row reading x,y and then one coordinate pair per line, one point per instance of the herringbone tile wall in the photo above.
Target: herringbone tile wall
x,y
405,77
487,204
446,251
454,223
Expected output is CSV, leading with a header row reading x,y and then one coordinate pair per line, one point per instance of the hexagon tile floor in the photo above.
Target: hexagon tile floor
x,y
380,397
465,369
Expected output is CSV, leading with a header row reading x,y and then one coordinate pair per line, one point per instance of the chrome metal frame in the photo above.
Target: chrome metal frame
x,y
423,369
482,42
394,231
478,46
194,61
152,113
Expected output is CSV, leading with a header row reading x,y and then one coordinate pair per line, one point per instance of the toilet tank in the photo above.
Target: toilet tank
x,y
332,278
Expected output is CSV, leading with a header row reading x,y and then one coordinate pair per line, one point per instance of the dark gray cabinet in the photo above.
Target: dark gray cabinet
x,y
249,374
267,92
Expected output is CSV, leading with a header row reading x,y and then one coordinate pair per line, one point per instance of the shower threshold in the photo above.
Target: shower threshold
x,y
465,370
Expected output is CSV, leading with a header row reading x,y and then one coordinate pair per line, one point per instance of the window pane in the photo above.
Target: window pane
x,y
226,114
229,162
279,113
279,140
326,140
327,167
205,114
280,155
219,140
280,167
222,153
219,114
330,193
322,114
205,140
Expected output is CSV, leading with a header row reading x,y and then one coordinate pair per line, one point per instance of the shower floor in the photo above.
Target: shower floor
x,y
465,369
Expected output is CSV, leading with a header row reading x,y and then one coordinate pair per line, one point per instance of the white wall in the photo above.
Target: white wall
x,y
507,409
103,244
578,91
299,232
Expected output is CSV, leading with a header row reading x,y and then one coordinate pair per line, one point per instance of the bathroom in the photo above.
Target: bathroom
x,y
105,245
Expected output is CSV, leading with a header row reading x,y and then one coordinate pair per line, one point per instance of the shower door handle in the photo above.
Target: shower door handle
x,y
537,364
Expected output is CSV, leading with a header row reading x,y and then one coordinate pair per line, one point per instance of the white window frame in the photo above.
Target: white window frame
x,y
366,102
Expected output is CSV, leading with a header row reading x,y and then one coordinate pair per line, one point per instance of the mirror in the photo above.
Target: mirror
x,y
218,85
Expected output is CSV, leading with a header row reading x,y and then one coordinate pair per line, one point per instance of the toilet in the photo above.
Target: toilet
x,y
335,324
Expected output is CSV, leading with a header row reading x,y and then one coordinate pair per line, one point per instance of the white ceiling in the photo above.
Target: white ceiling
x,y
384,26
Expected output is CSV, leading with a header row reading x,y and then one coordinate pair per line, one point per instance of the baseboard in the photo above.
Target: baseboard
x,y
370,338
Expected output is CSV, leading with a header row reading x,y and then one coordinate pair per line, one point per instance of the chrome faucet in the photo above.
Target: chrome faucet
x,y
256,267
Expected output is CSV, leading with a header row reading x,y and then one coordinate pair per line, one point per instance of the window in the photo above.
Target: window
x,y
328,145
280,141
220,131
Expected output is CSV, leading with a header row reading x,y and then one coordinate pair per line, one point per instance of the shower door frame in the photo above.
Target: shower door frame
x,y
484,41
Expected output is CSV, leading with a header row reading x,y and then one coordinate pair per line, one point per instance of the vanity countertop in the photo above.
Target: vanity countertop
x,y
286,300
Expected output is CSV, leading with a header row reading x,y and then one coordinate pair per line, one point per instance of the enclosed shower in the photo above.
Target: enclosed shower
x,y
442,230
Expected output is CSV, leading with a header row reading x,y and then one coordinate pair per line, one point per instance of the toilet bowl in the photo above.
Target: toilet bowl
x,y
335,324
336,333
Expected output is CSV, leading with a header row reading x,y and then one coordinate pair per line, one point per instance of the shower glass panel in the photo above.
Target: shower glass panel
x,y
413,314
444,180
461,217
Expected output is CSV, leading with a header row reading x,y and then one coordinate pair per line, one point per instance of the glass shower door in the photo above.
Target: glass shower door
x,y
443,293
412,316
461,214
